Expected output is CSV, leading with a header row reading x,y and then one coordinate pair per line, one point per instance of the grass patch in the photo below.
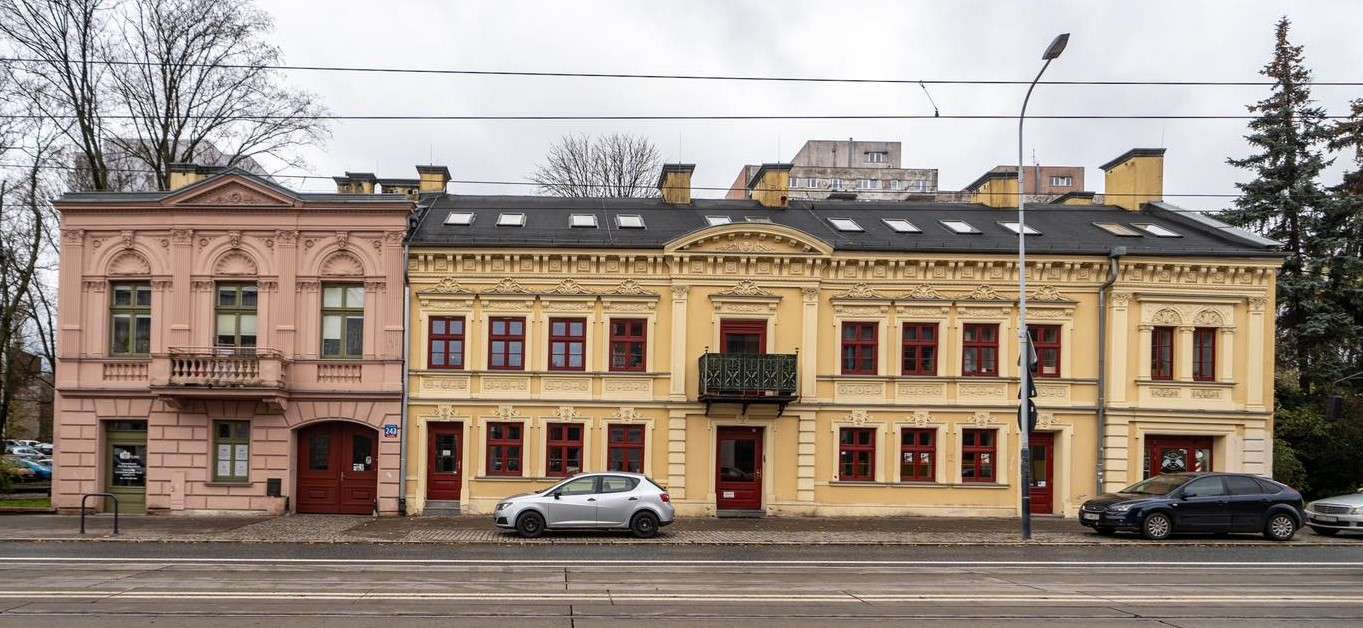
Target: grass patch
x,y
38,502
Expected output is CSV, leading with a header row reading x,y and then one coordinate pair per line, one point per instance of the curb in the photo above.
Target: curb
x,y
525,542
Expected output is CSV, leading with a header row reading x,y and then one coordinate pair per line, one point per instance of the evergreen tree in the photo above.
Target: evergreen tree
x,y
1344,225
1286,202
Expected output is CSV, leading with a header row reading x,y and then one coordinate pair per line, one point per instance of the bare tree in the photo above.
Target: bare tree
x,y
197,71
612,166
62,78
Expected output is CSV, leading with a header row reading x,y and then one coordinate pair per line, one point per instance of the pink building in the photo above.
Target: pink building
x,y
231,345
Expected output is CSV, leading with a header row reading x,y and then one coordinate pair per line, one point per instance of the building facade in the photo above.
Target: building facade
x,y
785,357
230,345
865,170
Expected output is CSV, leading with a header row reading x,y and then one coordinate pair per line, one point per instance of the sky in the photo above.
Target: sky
x,y
1147,40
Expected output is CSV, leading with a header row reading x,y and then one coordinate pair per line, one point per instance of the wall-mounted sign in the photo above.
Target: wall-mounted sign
x,y
390,430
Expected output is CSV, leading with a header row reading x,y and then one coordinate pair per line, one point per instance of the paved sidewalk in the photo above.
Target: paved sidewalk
x,y
477,529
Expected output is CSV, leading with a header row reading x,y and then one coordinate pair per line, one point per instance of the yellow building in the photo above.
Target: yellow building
x,y
829,357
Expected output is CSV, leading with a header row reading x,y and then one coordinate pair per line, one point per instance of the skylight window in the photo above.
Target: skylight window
x,y
1157,230
582,221
460,218
845,224
1013,226
959,226
757,219
511,220
629,221
715,221
900,225
1118,229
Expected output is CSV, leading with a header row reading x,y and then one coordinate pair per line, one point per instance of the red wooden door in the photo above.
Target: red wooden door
x,y
742,336
1177,454
337,469
738,468
1042,489
444,471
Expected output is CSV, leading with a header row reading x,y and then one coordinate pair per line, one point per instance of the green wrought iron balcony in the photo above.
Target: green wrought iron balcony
x,y
748,378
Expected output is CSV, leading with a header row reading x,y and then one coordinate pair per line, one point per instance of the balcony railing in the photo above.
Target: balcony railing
x,y
748,378
225,367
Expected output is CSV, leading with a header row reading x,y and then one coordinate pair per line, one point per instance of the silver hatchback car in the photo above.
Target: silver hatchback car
x,y
613,501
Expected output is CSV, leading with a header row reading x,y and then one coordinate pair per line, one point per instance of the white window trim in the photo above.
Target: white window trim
x,y
835,431
715,221
516,222
449,218
912,228
619,221
573,221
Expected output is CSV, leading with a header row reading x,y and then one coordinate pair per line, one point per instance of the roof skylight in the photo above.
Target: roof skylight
x,y
757,218
629,221
959,226
511,220
460,218
900,225
582,221
1118,229
1157,230
715,221
1013,226
845,224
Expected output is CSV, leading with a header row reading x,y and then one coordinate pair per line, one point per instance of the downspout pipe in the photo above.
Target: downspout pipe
x,y
406,370
1114,258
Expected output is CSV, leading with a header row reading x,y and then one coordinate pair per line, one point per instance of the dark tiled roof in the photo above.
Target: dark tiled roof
x,y
1065,229
73,198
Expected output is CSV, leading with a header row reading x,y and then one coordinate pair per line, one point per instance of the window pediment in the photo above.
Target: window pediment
x,y
231,191
750,239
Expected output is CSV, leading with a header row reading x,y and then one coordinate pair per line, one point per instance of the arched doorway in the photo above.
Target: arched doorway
x,y
337,468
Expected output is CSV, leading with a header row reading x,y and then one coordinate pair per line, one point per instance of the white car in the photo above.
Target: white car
x,y
619,501
1329,516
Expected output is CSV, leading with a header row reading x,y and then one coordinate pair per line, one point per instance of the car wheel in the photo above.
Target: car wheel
x,y
1157,526
1105,531
1280,527
1325,531
530,525
644,525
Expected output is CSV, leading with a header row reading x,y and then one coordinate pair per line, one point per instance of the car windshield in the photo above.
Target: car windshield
x,y
1158,485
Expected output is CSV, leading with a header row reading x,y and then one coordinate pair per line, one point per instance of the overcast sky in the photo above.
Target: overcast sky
x,y
1148,40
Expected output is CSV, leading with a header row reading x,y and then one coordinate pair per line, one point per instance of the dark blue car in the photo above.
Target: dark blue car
x,y
1197,502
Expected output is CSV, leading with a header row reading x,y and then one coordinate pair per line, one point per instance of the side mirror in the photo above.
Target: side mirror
x,y
556,494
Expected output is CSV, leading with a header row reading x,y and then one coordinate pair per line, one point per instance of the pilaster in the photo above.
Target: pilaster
x,y
809,343
677,391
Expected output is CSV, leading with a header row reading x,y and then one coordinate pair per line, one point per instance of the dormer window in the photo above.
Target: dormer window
x,y
845,224
629,221
511,220
582,221
462,219
959,226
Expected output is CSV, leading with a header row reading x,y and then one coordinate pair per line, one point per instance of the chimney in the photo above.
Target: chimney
x,y
433,178
182,175
770,186
997,188
1135,178
675,183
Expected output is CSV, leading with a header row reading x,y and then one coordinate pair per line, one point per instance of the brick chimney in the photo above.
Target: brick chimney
x,y
770,185
675,183
356,183
1135,178
433,178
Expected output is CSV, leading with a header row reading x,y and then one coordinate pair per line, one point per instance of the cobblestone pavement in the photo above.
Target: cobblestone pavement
x,y
476,529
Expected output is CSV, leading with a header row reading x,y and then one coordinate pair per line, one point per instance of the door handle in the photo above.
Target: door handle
x,y
634,499
591,499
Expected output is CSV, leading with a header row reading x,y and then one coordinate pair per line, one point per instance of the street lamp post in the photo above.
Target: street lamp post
x,y
1052,51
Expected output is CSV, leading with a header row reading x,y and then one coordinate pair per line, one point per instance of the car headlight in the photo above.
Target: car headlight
x,y
1120,507
1358,510
502,506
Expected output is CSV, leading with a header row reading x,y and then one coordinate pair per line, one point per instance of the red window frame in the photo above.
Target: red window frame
x,y
1046,342
505,445
1204,354
917,455
919,356
451,344
975,445
1162,353
980,348
859,349
624,443
857,454
628,335
562,342
560,441
508,340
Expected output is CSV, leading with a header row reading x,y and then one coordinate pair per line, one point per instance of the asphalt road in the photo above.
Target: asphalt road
x,y
196,585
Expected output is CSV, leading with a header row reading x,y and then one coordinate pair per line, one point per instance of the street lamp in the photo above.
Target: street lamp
x,y
1052,51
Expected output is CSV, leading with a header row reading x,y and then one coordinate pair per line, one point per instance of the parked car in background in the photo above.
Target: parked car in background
x,y
1330,516
23,451
44,449
1198,502
40,471
15,469
621,501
